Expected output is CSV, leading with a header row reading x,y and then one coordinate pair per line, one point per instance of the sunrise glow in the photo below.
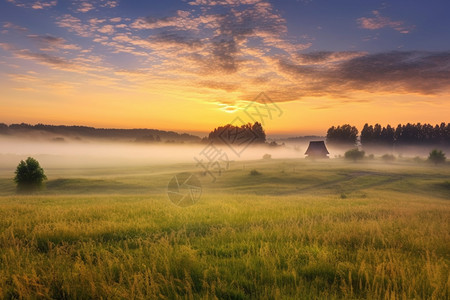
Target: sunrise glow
x,y
193,65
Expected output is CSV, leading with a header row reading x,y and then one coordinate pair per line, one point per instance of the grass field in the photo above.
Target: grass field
x,y
299,230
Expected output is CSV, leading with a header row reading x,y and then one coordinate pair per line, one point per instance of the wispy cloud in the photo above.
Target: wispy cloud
x,y
378,21
85,7
321,57
52,43
224,2
224,30
228,51
241,47
108,29
74,24
10,25
398,72
109,3
34,4
183,20
46,59
81,63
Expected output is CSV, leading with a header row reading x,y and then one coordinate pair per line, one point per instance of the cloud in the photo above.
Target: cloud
x,y
221,33
398,72
230,50
182,20
211,40
6,46
46,59
74,24
80,64
23,77
85,7
223,48
34,4
10,25
320,57
224,2
226,86
109,4
32,82
413,71
378,22
174,39
108,29
52,43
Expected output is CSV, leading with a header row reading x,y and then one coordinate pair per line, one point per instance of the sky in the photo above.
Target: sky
x,y
192,65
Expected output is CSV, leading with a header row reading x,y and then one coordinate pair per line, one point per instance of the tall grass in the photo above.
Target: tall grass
x,y
285,234
227,246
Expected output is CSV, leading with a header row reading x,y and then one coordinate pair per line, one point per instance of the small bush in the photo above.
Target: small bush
x,y
354,154
267,156
437,157
254,173
388,157
29,175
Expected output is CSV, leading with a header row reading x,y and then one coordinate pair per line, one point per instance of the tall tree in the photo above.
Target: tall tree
x,y
342,135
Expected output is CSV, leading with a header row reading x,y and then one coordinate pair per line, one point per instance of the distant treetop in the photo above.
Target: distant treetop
x,y
342,135
100,133
409,134
231,134
402,135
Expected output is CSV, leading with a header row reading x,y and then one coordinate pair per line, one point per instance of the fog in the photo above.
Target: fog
x,y
117,154
95,154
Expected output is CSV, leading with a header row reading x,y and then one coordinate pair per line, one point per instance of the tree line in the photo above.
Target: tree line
x,y
231,134
402,135
138,135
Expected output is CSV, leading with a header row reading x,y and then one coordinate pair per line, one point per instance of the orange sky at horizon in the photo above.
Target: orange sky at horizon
x,y
309,116
145,65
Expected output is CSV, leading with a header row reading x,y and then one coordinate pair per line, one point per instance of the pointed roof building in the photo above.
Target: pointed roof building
x,y
317,149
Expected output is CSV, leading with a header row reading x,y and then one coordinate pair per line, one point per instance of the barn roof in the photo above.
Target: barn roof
x,y
317,147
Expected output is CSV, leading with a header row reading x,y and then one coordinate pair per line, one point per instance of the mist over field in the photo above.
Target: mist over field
x,y
119,213
105,225
94,153
72,154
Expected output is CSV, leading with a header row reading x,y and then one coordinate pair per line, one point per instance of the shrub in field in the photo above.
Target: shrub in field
x,y
437,157
29,175
267,156
354,154
388,157
254,173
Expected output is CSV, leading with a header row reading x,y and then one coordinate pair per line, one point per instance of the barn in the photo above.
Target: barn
x,y
317,149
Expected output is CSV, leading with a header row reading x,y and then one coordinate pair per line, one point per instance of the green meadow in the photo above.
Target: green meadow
x,y
295,230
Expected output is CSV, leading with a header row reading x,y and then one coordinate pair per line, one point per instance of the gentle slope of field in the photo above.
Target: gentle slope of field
x,y
298,230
